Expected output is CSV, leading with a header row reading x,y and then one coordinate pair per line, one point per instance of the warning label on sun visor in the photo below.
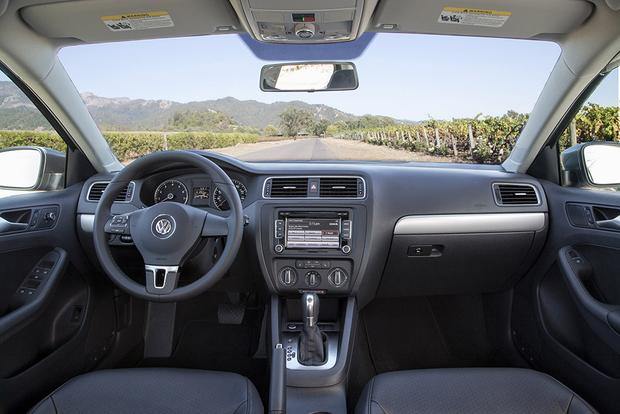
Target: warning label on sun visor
x,y
473,17
138,21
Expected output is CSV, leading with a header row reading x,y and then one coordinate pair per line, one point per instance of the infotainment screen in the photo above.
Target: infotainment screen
x,y
309,233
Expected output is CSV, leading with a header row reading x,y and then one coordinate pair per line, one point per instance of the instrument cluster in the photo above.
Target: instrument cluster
x,y
196,191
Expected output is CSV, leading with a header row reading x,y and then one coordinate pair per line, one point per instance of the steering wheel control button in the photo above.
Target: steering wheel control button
x,y
288,276
125,238
313,279
163,226
337,277
118,225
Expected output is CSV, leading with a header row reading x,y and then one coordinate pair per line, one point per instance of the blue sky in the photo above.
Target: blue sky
x,y
405,76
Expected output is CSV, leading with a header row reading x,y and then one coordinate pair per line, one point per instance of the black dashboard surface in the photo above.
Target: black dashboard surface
x,y
394,191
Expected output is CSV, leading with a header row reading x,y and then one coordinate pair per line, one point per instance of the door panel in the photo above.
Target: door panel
x,y
574,293
48,331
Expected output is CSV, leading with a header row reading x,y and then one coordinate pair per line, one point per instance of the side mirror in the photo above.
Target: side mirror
x,y
31,168
592,164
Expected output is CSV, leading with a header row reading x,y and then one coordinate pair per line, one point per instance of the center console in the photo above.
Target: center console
x,y
311,256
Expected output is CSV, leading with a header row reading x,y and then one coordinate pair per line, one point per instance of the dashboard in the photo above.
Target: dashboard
x,y
400,229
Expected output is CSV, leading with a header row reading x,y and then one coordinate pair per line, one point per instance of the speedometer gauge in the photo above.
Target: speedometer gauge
x,y
171,190
219,200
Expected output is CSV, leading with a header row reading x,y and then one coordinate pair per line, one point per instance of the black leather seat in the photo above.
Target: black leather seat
x,y
153,390
469,390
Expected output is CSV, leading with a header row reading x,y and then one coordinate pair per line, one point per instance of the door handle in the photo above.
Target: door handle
x,y
603,318
9,226
613,224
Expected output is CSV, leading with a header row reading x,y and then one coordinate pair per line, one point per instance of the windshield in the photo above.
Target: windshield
x,y
420,98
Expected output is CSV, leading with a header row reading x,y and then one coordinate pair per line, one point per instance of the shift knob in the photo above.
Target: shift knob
x,y
310,308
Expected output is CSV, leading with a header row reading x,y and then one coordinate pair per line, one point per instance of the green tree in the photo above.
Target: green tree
x,y
270,131
202,121
294,120
320,127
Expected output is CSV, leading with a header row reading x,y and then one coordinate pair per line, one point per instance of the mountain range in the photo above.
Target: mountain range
x,y
125,114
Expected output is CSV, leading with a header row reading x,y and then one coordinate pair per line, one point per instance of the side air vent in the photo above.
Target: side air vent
x,y
97,188
286,187
515,194
341,187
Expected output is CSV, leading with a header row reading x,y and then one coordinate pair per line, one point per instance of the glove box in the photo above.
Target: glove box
x,y
460,262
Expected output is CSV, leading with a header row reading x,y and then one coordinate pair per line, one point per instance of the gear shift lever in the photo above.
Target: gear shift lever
x,y
310,303
311,341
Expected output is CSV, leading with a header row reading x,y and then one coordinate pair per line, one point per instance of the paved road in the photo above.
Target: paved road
x,y
306,149
301,149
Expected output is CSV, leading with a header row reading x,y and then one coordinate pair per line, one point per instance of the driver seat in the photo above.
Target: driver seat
x,y
153,390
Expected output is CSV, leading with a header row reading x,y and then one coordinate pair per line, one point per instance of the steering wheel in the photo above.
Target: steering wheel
x,y
166,233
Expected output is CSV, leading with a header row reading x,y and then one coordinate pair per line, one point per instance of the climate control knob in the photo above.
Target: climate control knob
x,y
288,276
313,279
337,277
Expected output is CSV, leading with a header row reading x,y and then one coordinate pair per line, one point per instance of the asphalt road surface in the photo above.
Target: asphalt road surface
x,y
307,149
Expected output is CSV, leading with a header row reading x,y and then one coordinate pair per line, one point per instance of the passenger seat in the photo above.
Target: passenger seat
x,y
468,390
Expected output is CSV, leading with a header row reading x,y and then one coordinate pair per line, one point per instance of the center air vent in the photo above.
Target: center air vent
x,y
286,187
97,188
515,194
315,187
341,187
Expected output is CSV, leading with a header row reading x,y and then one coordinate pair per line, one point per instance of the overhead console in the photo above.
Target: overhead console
x,y
297,21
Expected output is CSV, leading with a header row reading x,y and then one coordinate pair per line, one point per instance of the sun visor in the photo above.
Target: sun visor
x,y
520,19
95,21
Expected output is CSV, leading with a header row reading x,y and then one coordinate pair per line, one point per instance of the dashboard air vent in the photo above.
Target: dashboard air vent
x,y
341,187
516,194
286,187
96,191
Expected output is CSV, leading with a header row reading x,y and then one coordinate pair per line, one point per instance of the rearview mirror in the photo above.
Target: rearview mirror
x,y
31,168
309,77
592,164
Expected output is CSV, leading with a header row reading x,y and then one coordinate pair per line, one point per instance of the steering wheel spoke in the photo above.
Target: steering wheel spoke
x,y
217,226
161,280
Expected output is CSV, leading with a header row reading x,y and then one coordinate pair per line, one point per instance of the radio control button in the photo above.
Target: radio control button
x,y
279,229
313,279
279,248
346,249
288,276
346,229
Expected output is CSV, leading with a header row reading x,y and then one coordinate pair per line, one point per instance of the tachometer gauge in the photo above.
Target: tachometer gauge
x,y
171,190
219,200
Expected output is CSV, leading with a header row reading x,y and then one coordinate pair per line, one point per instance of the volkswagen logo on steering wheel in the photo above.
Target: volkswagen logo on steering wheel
x,y
163,226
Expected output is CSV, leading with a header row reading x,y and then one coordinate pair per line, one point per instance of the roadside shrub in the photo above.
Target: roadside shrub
x,y
130,145
208,140
32,138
